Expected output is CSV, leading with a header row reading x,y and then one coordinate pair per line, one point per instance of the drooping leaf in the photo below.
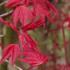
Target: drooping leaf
x,y
11,52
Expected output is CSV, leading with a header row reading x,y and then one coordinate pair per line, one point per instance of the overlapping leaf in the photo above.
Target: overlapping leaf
x,y
31,53
12,3
11,52
9,24
33,57
24,18
21,15
26,40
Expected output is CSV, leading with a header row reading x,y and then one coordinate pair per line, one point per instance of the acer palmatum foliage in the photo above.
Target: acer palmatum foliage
x,y
11,52
29,15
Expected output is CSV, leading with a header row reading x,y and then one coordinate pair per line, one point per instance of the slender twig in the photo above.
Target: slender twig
x,y
15,66
1,36
1,4
6,14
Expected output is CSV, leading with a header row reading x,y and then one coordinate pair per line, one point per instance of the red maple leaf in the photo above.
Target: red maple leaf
x,y
52,8
33,57
15,3
27,41
46,4
41,12
12,3
9,24
25,13
22,15
34,25
31,53
11,52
